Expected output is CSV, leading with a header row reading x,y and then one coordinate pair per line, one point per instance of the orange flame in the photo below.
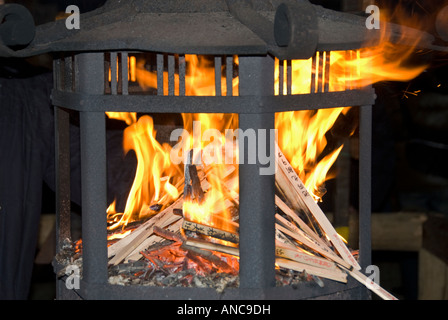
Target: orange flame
x,y
156,175
301,137
152,183
128,117
301,134
216,200
390,58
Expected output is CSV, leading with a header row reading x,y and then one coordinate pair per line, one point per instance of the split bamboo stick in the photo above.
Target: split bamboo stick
x,y
371,285
296,255
154,238
161,219
210,231
285,209
324,273
314,246
212,246
304,195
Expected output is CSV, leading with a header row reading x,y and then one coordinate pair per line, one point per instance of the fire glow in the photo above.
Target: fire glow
x,y
301,134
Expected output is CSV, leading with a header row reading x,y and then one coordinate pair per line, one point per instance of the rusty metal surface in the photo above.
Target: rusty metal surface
x,y
199,27
235,104
332,290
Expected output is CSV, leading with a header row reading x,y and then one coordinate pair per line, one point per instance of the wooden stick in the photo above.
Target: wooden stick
x,y
137,240
296,255
299,235
159,220
136,253
371,285
234,225
167,234
210,231
321,267
285,187
283,184
212,246
119,245
287,249
208,255
287,243
175,205
309,201
285,209
324,273
313,265
196,189
313,245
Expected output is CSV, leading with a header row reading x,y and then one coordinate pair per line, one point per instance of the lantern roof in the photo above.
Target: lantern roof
x,y
218,27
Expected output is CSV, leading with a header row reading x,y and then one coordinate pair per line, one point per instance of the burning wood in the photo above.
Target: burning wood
x,y
306,240
336,275
303,257
124,248
202,244
302,193
208,255
297,186
170,249
154,239
371,285
298,235
210,231
301,224
167,234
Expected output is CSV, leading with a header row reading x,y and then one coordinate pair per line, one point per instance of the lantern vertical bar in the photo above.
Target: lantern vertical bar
x,y
365,188
218,65
229,75
257,210
182,70
62,166
90,68
313,73
327,71
160,67
124,79
289,76
113,73
281,71
171,71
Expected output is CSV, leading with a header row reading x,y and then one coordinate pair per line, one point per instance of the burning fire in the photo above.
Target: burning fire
x,y
157,180
214,201
301,134
200,82
155,176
